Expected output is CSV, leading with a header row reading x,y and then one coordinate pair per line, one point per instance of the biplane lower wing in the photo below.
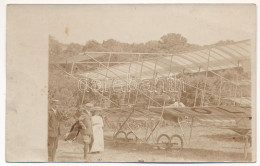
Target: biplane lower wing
x,y
228,116
220,116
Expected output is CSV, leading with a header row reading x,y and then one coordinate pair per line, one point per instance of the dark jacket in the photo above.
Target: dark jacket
x,y
86,121
53,125
74,131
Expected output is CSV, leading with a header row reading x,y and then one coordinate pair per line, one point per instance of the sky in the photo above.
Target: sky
x,y
200,24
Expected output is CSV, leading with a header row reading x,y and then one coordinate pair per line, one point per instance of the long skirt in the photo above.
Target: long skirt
x,y
98,139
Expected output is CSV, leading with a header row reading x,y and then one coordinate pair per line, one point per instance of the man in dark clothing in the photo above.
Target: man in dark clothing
x,y
53,133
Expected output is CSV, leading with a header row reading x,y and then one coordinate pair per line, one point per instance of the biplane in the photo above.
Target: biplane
x,y
146,112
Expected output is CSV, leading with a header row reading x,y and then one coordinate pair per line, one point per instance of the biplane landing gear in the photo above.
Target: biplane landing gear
x,y
131,137
120,137
163,141
176,143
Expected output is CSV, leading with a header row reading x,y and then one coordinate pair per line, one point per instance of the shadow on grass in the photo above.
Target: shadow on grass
x,y
69,158
225,137
185,155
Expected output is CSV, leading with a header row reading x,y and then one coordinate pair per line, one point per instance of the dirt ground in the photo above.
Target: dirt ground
x,y
208,144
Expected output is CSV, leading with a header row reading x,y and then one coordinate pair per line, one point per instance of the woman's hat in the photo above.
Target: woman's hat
x,y
89,105
97,109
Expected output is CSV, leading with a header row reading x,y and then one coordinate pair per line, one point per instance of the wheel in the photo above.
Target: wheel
x,y
120,137
176,142
163,141
131,137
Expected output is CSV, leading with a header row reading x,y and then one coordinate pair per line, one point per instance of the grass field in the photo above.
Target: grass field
x,y
208,144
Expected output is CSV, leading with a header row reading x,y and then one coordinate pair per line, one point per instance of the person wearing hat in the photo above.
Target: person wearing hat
x,y
97,125
53,131
86,127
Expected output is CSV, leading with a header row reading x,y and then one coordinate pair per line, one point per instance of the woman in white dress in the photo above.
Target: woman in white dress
x,y
98,136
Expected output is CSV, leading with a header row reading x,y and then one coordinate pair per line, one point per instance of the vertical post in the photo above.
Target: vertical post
x,y
240,95
170,83
108,64
196,93
149,118
181,86
220,91
155,65
192,119
136,95
139,78
236,83
129,70
83,97
66,66
204,89
245,146
138,59
170,66
154,72
72,68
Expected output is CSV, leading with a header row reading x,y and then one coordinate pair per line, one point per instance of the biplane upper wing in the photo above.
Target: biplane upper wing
x,y
76,59
243,101
212,58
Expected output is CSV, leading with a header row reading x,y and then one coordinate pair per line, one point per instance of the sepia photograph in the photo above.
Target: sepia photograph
x,y
143,83
140,83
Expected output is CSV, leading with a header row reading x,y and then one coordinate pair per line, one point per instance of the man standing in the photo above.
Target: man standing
x,y
86,131
53,133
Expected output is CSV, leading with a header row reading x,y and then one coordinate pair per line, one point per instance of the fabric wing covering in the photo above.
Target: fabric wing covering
x,y
219,57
